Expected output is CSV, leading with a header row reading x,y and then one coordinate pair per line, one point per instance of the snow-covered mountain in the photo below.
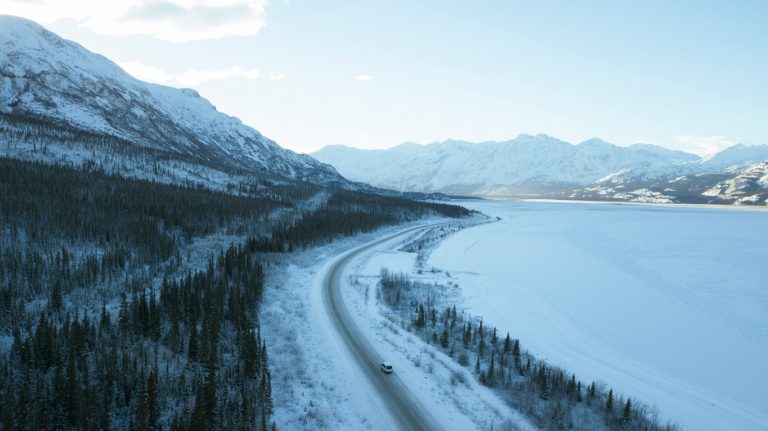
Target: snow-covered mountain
x,y
750,185
526,164
544,166
734,157
56,87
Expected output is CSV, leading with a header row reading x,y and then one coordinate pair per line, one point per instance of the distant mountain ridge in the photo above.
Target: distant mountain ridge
x,y
54,87
544,166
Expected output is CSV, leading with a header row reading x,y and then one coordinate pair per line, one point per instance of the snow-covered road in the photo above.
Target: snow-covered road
x,y
320,383
401,404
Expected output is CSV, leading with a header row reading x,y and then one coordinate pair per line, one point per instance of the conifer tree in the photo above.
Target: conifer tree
x,y
193,349
609,402
444,338
421,319
72,394
56,296
153,411
141,413
9,402
490,377
625,418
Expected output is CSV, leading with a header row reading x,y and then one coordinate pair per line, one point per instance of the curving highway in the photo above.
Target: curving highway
x,y
404,407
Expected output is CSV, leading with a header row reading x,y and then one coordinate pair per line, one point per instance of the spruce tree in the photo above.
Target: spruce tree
x,y
192,349
141,413
9,403
153,411
625,418
609,402
490,377
72,394
56,297
421,320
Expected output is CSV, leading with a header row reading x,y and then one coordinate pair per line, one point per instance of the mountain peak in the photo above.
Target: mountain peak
x,y
596,143
737,147
16,24
535,137
736,155
528,162
49,79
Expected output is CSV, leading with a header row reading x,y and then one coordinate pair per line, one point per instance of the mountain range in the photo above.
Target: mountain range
x,y
543,166
63,103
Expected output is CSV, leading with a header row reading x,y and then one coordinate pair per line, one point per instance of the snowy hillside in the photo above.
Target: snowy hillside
x,y
737,156
750,186
49,82
729,177
544,166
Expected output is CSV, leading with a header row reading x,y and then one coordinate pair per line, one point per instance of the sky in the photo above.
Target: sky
x,y
688,75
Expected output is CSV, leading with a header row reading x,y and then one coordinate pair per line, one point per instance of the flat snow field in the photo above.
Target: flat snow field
x,y
666,304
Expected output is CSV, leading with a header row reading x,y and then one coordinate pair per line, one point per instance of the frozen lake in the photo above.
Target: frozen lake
x,y
666,304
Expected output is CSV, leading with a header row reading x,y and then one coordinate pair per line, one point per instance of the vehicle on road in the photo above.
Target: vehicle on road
x,y
386,367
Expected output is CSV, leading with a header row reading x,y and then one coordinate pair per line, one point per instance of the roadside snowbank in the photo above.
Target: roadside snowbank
x,y
317,386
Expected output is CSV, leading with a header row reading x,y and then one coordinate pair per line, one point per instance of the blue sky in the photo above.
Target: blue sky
x,y
689,75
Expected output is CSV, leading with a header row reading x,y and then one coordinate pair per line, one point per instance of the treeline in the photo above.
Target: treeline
x,y
43,134
106,324
552,398
348,213
76,228
89,205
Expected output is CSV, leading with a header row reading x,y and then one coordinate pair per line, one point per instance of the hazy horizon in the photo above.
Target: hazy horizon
x,y
498,141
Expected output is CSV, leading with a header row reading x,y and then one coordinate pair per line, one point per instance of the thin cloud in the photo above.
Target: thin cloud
x,y
364,78
193,77
171,20
275,76
705,145
145,72
188,78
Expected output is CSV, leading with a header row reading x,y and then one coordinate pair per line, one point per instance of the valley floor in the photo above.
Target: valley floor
x,y
317,385
664,303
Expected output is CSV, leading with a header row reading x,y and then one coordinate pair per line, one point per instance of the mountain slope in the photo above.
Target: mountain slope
x,y
732,176
526,164
733,157
47,80
544,166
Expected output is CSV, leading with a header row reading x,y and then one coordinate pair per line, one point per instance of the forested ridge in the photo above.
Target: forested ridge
x,y
106,322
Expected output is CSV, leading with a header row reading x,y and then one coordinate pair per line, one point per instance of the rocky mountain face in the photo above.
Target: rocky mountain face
x,y
62,102
748,186
542,166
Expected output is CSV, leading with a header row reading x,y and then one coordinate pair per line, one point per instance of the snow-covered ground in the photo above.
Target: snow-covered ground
x,y
666,304
317,385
